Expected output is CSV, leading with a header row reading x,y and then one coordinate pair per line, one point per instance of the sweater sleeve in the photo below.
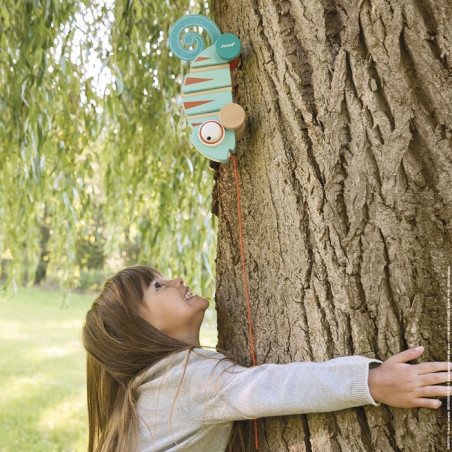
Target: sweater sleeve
x,y
233,392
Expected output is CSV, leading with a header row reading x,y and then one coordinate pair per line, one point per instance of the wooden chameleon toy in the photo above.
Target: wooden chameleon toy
x,y
217,122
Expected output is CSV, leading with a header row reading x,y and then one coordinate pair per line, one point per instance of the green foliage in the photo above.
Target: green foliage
x,y
117,166
90,281
90,242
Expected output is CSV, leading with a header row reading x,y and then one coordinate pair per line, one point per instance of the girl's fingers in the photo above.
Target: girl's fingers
x,y
435,378
433,391
406,355
426,403
425,368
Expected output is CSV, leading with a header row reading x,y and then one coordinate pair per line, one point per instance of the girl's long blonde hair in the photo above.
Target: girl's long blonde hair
x,y
120,345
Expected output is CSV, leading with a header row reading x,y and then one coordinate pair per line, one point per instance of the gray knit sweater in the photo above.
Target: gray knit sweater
x,y
214,393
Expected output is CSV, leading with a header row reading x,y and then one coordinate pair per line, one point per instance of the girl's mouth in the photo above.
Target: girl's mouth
x,y
188,294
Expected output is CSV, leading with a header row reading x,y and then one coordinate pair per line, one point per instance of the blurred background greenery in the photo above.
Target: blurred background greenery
x,y
96,173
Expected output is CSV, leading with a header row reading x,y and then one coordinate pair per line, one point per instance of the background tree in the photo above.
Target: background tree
x,y
345,177
73,154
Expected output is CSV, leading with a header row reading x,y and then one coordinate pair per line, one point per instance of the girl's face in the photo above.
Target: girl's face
x,y
171,308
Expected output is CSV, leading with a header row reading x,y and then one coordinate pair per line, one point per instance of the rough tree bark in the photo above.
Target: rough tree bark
x,y
345,177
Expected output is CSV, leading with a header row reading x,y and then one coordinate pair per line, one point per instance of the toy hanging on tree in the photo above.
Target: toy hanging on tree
x,y
217,122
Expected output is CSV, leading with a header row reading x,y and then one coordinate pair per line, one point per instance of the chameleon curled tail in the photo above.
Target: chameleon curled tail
x,y
217,122
191,37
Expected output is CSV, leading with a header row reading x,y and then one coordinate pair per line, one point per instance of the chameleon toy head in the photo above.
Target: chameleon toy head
x,y
215,120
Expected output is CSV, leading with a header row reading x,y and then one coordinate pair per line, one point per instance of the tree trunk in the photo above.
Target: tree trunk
x,y
345,174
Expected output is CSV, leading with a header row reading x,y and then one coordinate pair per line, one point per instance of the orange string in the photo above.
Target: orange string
x,y
244,278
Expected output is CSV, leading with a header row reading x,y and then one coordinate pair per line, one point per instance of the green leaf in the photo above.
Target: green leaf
x,y
119,80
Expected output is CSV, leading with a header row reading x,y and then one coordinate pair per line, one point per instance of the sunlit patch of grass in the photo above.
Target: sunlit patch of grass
x,y
20,385
66,416
42,373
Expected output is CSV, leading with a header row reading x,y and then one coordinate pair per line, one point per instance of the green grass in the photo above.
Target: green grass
x,y
42,372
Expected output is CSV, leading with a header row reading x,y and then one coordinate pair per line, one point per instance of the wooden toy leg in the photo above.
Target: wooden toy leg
x,y
232,116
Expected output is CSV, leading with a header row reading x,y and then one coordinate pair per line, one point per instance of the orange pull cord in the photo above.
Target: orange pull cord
x,y
244,278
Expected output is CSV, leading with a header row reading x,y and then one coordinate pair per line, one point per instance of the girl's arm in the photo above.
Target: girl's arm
x,y
402,385
230,392
237,393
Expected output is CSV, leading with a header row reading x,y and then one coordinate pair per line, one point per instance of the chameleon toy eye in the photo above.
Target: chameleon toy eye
x,y
211,133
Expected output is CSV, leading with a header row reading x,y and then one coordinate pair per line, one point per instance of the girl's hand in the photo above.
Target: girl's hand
x,y
402,385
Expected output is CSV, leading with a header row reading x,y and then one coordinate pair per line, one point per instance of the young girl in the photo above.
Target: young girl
x,y
152,387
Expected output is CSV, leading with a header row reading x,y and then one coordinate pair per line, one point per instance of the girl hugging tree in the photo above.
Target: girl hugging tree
x,y
153,387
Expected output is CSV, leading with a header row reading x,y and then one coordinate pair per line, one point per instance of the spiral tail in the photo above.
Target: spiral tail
x,y
192,37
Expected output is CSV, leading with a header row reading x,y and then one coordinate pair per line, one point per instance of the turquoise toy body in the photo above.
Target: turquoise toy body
x,y
216,121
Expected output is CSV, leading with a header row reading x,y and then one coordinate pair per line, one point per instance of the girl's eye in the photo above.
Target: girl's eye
x,y
157,285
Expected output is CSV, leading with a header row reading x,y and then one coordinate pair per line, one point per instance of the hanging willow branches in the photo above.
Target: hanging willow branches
x,y
71,154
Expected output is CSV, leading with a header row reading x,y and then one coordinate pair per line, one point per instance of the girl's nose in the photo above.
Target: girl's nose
x,y
178,282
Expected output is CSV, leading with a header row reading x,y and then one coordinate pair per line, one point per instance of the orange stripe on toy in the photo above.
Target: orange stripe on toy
x,y
188,105
202,59
193,80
